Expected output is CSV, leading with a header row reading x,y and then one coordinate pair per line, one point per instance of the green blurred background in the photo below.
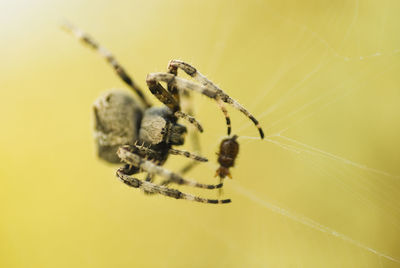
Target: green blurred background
x,y
324,74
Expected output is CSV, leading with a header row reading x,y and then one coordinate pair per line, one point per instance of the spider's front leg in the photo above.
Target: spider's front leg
x,y
170,101
173,66
185,101
220,97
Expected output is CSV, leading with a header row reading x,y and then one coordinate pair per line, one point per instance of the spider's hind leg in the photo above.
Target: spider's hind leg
x,y
120,71
128,170
125,154
149,178
157,189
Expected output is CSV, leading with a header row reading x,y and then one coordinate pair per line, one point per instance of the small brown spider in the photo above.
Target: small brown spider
x,y
121,123
228,151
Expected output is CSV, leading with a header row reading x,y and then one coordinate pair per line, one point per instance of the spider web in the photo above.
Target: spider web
x,y
292,108
321,190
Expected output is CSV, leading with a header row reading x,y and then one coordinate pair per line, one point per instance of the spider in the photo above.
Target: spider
x,y
141,135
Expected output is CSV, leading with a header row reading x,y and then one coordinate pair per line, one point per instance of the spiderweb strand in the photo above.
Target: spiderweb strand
x,y
323,41
299,147
339,158
323,153
326,105
366,185
307,221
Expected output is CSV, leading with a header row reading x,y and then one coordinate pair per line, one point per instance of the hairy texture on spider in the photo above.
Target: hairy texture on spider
x,y
158,126
117,118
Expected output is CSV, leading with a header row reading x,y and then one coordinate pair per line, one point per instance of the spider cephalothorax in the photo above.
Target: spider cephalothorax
x,y
120,120
159,125
143,136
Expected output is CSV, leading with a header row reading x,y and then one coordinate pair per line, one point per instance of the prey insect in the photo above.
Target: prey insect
x,y
228,151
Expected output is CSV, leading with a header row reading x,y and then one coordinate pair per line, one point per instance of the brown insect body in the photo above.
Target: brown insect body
x,y
228,151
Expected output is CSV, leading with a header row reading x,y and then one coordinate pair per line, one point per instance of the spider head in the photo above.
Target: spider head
x,y
158,125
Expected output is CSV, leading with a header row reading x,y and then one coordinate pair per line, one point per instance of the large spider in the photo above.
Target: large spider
x,y
142,136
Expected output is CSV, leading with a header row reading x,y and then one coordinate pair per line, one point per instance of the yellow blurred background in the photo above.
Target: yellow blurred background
x,y
322,190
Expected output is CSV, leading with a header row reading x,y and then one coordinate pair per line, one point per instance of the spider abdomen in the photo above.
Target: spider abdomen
x,y
117,121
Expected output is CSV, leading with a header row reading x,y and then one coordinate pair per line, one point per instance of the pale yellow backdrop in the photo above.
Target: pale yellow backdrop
x,y
322,190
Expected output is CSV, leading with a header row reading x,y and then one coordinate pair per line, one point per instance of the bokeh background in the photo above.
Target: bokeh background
x,y
322,190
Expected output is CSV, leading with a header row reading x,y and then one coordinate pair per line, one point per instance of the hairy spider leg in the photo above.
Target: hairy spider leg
x,y
124,152
187,154
187,106
173,66
163,190
225,112
207,91
165,182
166,98
149,178
190,119
172,89
191,71
185,101
86,39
